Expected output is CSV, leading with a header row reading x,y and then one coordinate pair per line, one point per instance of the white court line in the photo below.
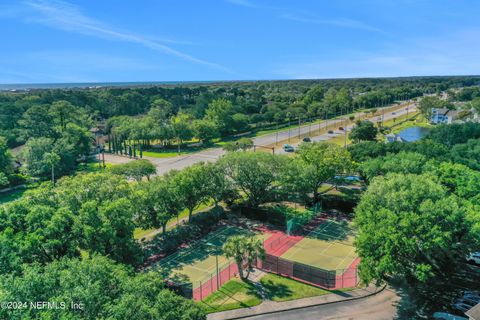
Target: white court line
x,y
186,251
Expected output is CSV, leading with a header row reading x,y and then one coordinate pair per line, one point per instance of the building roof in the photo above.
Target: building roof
x,y
442,111
474,313
454,113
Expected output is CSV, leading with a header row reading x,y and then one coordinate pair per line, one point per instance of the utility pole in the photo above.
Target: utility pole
x,y
310,128
298,127
288,130
276,136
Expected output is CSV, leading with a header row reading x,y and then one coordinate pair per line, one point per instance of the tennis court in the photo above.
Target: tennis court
x,y
198,262
328,247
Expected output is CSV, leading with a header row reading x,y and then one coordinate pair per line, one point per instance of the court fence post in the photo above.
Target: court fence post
x,y
201,293
343,274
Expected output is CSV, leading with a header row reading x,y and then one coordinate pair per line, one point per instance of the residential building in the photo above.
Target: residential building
x,y
391,137
474,313
443,115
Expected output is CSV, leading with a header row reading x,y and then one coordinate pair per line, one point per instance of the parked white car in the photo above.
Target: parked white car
x,y
474,257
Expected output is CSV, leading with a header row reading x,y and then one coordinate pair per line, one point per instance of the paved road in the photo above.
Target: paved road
x,y
377,307
327,136
166,164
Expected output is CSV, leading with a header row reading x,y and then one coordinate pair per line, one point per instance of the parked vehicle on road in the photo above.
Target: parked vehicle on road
x,y
463,305
474,258
473,294
330,131
341,129
288,148
307,139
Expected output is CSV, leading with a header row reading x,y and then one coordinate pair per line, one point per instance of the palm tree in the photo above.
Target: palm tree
x,y
243,248
52,159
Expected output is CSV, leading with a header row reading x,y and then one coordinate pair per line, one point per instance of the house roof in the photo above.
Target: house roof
x,y
454,113
474,313
442,111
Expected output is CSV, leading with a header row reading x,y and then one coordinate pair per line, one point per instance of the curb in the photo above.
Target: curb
x,y
309,306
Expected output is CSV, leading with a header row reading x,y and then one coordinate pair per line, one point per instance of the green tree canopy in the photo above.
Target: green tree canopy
x,y
105,289
253,173
402,162
408,225
363,131
314,164
137,169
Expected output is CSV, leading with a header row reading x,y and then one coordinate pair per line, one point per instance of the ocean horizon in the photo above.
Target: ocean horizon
x,y
84,85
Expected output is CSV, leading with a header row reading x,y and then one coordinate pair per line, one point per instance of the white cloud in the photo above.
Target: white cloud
x,y
68,17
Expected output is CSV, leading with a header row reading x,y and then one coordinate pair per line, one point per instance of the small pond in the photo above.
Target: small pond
x,y
413,133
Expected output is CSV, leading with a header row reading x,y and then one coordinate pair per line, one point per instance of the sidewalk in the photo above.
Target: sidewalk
x,y
272,307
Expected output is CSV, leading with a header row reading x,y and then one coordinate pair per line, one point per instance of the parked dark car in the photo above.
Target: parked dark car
x,y
288,148
307,139
330,131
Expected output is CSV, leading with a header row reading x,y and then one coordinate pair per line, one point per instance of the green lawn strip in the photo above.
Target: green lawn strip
x,y
278,288
233,294
408,124
90,167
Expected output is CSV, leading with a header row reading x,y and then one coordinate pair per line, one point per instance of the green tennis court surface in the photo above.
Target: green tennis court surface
x,y
329,247
198,262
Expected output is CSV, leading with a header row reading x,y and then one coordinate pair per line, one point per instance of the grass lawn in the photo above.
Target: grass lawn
x,y
232,295
279,288
90,167
168,153
173,152
417,122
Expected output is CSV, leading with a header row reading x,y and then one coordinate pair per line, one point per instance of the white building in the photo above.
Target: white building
x,y
443,115
391,137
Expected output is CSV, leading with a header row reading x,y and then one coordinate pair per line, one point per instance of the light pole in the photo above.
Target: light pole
x,y
276,136
310,127
216,264
298,127
289,130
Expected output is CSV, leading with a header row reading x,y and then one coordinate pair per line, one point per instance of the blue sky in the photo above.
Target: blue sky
x,y
187,40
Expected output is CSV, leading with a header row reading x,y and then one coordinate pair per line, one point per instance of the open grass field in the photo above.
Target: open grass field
x,y
278,288
232,295
328,247
198,262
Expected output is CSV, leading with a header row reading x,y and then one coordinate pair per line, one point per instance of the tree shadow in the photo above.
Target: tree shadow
x,y
420,301
336,231
275,290
198,251
230,294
